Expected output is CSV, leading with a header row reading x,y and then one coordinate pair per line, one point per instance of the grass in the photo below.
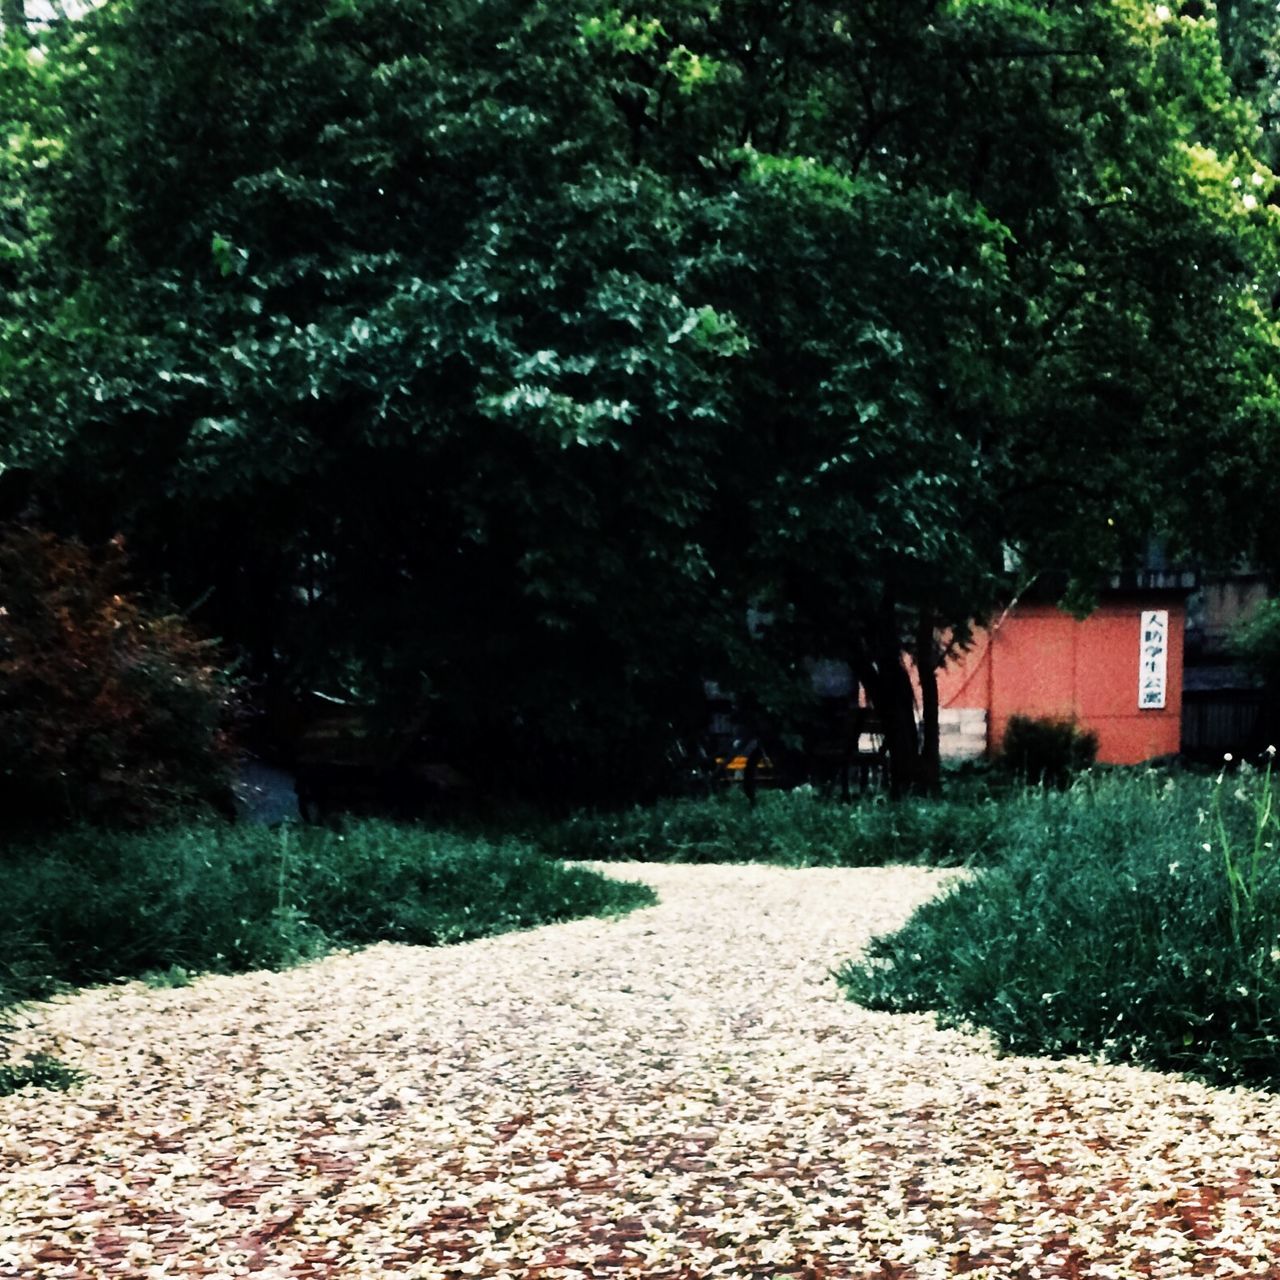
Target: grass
x,y
794,829
92,906
39,1072
1134,917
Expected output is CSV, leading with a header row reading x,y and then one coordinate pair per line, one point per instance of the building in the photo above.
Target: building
x,y
1117,672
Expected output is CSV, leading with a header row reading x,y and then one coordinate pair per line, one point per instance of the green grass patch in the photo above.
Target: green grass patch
x,y
39,1072
795,829
1134,917
92,906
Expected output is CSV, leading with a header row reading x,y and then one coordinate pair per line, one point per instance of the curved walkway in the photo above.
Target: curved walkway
x,y
680,1093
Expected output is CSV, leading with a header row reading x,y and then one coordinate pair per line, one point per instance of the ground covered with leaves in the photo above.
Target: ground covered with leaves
x,y
681,1092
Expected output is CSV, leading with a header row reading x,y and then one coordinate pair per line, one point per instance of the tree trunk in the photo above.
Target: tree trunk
x,y
926,658
898,716
889,687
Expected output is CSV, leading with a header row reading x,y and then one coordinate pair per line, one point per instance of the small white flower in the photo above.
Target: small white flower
x,y
1256,179
1228,757
1207,847
1249,200
1271,751
1173,868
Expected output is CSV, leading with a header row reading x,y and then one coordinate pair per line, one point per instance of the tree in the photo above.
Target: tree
x,y
500,355
384,408
1249,32
1054,335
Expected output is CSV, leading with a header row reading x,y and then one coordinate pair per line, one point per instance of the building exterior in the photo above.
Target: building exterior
x,y
1117,672
1150,671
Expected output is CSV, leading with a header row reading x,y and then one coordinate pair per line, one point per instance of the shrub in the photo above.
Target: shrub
x,y
1132,917
798,828
109,712
1047,751
92,905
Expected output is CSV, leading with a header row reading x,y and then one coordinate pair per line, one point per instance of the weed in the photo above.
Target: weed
x,y
798,828
92,905
162,979
39,1072
1047,751
1136,917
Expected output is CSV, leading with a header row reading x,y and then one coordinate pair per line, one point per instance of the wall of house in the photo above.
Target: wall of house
x,y
1040,661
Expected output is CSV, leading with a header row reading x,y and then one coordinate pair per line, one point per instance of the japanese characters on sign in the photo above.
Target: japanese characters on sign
x,y
1153,659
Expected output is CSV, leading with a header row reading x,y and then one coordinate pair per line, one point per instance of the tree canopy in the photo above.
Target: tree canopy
x,y
496,357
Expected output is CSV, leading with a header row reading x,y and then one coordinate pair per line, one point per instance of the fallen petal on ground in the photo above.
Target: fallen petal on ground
x,y
682,1092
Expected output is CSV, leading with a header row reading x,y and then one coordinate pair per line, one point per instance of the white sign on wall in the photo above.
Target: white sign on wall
x,y
1153,659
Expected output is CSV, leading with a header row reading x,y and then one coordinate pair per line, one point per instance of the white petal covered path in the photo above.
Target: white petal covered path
x,y
679,1093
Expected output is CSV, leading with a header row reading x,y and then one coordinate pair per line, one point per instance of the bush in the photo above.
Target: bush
x,y
1048,751
91,905
108,712
1132,917
797,829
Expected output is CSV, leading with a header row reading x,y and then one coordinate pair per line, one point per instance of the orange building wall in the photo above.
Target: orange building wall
x,y
1039,661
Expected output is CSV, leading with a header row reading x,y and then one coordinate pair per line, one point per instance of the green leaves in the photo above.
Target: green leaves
x,y
820,304
1110,923
230,260
621,33
568,420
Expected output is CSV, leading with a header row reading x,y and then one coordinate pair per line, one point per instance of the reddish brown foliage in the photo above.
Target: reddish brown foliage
x,y
108,711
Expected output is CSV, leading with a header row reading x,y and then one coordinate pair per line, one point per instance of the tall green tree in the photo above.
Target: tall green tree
x,y
410,384
501,355
1005,271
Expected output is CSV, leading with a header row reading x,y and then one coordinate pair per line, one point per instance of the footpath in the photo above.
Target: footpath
x,y
680,1093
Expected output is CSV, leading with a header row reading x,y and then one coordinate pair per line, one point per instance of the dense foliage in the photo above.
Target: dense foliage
x,y
493,358
794,829
1131,917
109,711
89,906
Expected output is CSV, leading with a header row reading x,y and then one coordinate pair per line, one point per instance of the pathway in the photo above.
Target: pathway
x,y
680,1093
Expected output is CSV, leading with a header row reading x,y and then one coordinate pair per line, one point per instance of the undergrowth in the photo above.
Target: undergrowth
x,y
90,905
796,829
1133,917
38,1072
